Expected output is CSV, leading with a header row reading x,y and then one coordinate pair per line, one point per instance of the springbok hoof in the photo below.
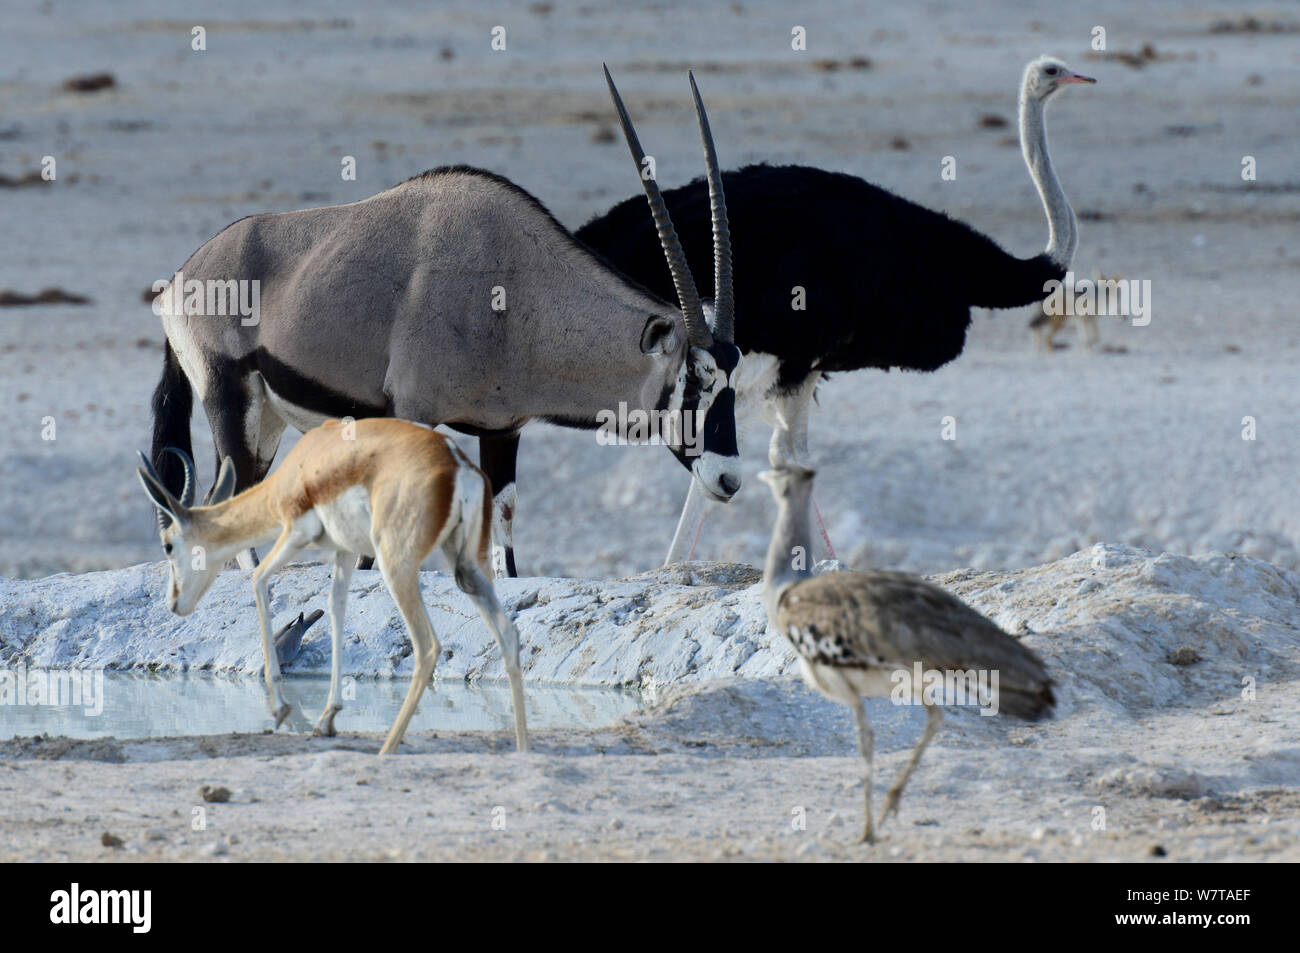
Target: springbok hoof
x,y
325,727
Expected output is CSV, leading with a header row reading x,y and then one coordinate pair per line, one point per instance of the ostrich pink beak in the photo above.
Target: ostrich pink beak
x,y
1076,78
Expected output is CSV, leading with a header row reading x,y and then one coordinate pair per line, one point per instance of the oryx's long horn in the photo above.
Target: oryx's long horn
x,y
724,300
187,492
697,328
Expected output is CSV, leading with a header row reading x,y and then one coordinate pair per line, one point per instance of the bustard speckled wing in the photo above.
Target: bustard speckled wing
x,y
893,620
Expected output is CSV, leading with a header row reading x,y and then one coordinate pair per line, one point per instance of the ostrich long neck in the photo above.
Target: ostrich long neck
x,y
1063,234
791,541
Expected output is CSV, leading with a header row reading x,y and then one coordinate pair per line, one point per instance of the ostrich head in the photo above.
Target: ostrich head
x,y
1047,75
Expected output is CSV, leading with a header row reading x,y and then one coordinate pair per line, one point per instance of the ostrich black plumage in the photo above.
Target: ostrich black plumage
x,y
886,283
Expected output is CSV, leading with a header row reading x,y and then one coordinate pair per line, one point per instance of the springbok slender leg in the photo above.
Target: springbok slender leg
x,y
403,580
933,719
343,564
497,456
866,745
286,547
474,584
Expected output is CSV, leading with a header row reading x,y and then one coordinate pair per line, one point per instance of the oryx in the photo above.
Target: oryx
x,y
453,298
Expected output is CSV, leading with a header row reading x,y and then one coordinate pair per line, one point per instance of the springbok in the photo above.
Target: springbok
x,y
390,489
453,298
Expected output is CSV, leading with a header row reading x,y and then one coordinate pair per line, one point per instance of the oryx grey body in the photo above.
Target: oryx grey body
x,y
370,299
453,298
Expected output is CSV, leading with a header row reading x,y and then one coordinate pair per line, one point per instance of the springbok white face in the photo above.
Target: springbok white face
x,y
190,572
1047,75
192,567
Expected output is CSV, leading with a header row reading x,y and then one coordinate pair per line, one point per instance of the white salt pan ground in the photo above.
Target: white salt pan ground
x,y
734,750
1140,445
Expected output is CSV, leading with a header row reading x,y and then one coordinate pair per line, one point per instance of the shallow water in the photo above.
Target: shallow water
x,y
148,706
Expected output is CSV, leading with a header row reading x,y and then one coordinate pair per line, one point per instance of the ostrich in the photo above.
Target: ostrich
x,y
886,283
854,630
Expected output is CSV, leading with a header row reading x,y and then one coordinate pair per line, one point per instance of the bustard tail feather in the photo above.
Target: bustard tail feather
x,y
1029,704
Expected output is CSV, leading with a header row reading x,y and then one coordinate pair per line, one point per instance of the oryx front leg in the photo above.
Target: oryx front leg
x,y
503,532
497,455
343,566
293,539
689,525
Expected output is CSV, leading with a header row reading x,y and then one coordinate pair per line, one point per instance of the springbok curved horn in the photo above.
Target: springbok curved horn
x,y
697,329
724,299
187,492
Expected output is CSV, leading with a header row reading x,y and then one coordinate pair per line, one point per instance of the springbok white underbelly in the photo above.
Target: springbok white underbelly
x,y
347,520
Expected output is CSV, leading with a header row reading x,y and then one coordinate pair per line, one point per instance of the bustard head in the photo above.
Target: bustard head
x,y
191,574
706,383
1048,75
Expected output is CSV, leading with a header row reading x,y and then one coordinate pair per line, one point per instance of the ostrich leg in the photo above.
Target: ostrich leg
x,y
788,415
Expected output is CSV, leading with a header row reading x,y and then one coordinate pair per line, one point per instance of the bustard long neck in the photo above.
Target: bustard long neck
x,y
1063,232
789,553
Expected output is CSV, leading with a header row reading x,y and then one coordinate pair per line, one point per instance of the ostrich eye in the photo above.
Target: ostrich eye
x,y
1051,71
167,548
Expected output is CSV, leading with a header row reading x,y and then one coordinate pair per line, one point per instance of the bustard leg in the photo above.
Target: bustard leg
x,y
866,744
933,718
343,565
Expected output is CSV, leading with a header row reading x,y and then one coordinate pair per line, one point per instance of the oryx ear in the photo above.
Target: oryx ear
x,y
224,487
659,336
161,498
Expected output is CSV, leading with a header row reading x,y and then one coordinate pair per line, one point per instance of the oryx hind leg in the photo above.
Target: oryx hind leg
x,y
689,525
235,408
